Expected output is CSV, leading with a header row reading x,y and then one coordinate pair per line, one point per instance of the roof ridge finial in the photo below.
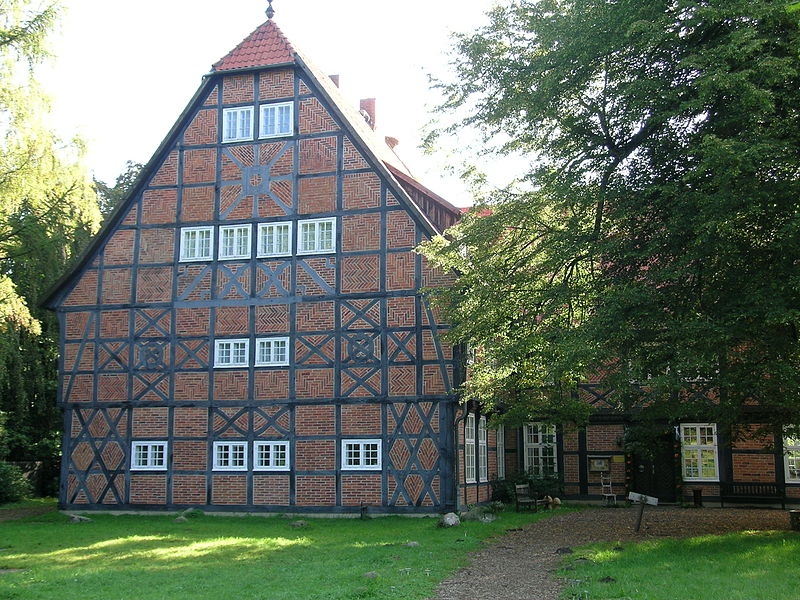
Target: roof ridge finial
x,y
270,10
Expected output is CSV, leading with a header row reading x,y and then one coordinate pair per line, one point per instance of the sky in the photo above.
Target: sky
x,y
123,71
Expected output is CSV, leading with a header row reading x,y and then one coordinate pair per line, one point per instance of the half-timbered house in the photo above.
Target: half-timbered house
x,y
248,331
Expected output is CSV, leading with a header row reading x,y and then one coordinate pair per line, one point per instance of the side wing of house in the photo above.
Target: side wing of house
x,y
249,331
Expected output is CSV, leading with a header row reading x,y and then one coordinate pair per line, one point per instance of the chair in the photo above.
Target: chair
x,y
607,489
524,497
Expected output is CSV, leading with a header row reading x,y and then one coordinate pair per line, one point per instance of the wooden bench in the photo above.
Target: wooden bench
x,y
524,498
752,492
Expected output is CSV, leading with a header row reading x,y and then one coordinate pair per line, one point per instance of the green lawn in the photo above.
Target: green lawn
x,y
737,566
238,558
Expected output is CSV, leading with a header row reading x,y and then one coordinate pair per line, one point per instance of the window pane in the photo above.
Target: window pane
x,y
264,351
279,351
325,235
690,435
307,237
370,455
284,124
279,455
239,353
352,455
203,247
281,243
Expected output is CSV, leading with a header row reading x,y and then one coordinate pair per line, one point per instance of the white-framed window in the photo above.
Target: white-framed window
x,y
500,437
277,119
197,243
274,239
361,455
540,448
237,124
317,236
231,353
148,456
483,451
230,456
469,448
699,457
234,241
272,351
791,458
271,456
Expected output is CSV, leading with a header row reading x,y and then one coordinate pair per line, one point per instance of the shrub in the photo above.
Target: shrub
x,y
13,484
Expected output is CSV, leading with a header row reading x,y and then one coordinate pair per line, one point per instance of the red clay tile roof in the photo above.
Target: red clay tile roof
x,y
264,47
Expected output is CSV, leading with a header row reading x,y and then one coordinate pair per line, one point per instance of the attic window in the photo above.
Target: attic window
x,y
237,124
196,243
317,236
277,119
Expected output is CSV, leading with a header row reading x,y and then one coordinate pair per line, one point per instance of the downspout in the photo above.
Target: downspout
x,y
456,422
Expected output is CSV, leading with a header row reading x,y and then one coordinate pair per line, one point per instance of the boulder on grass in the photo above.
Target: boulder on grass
x,y
450,520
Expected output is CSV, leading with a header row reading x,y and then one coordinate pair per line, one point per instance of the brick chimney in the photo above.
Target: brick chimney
x,y
368,111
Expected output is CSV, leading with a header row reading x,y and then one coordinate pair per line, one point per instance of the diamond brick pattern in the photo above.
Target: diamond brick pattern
x,y
414,486
428,454
113,455
400,454
82,456
96,486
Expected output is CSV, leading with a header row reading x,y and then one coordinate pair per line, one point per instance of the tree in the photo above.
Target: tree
x,y
654,244
111,196
48,211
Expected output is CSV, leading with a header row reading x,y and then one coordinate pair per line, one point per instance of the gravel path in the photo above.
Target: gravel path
x,y
520,565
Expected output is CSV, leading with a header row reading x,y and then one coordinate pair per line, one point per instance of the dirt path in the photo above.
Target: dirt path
x,y
520,565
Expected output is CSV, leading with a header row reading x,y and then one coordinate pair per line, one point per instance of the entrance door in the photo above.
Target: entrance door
x,y
655,475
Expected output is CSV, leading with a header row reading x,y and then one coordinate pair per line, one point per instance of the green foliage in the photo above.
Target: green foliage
x,y
109,197
761,564
652,245
13,484
225,558
48,211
